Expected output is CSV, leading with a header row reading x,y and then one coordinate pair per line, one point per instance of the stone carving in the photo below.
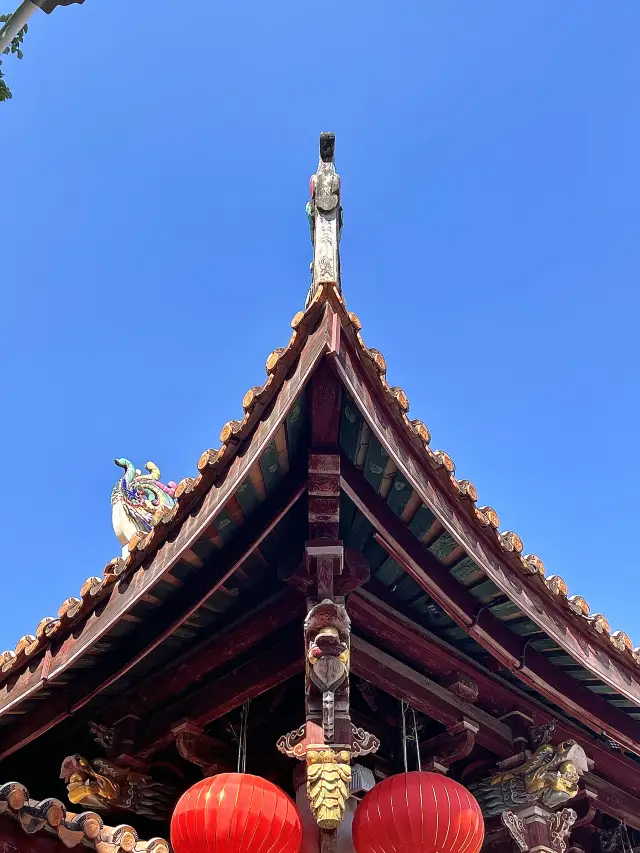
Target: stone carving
x,y
328,785
559,828
135,500
101,785
516,829
327,630
549,777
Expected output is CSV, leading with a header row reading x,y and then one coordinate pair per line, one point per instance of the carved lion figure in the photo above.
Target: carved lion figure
x,y
550,777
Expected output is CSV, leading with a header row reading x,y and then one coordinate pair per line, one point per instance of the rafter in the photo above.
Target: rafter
x,y
513,651
178,610
268,669
396,632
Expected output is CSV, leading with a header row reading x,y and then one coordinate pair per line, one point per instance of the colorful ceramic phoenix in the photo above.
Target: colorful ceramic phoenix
x,y
136,498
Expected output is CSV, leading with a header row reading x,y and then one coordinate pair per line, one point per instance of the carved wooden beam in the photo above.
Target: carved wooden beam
x,y
275,664
217,650
490,632
614,801
450,746
425,695
379,619
210,755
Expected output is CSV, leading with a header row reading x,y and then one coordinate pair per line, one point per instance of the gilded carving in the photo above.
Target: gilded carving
x,y
101,785
549,777
328,785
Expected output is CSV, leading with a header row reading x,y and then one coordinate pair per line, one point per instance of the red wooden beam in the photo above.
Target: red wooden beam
x,y
243,634
405,448
425,695
396,632
324,395
271,667
512,650
614,801
151,634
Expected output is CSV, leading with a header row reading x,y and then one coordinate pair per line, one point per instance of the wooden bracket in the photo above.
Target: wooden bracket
x,y
450,746
207,753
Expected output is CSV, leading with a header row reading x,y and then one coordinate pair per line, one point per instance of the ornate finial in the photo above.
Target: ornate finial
x,y
325,218
135,500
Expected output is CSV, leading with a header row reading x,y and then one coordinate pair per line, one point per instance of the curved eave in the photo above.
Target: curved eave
x,y
544,601
83,622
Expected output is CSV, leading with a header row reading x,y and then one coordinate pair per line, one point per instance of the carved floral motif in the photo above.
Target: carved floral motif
x,y
328,785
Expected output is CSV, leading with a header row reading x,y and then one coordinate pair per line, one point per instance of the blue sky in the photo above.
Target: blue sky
x,y
156,160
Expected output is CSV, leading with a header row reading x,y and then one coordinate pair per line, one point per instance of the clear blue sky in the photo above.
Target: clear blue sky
x,y
155,171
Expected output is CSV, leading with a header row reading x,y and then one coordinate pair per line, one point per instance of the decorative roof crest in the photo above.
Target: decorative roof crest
x,y
325,218
135,500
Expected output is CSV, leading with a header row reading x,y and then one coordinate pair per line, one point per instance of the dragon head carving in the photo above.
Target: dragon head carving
x,y
100,785
86,785
549,776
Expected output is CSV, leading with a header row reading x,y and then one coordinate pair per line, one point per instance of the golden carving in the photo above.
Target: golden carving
x,y
100,785
550,777
328,778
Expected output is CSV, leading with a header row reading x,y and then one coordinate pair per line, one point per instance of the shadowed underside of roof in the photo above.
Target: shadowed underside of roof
x,y
416,485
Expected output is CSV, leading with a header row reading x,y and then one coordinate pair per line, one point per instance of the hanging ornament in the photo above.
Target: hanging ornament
x,y
235,813
421,812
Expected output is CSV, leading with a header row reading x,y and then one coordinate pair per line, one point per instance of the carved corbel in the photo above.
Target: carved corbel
x,y
207,753
534,828
450,746
462,686
585,806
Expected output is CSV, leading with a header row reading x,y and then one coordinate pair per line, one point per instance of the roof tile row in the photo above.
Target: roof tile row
x,y
86,828
214,461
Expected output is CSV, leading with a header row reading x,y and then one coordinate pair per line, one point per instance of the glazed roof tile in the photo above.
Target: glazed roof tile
x,y
72,829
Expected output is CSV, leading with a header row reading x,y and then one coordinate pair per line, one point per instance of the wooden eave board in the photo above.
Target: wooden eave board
x,y
363,411
287,412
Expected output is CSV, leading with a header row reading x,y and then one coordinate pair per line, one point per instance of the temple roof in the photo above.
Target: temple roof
x,y
50,815
484,596
214,463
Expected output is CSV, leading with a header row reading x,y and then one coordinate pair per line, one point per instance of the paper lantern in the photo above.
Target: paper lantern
x,y
235,813
418,813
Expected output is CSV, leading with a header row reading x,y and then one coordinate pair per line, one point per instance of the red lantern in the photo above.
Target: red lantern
x,y
235,813
418,813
